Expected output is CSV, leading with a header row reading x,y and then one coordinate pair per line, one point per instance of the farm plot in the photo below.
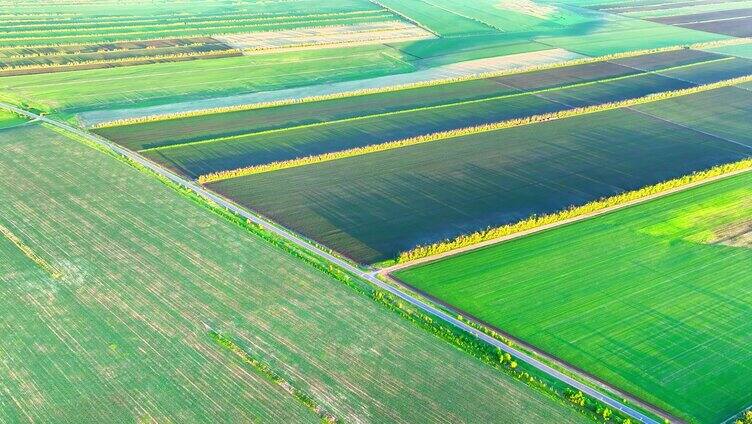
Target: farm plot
x,y
126,244
163,83
731,108
26,61
368,33
236,139
652,298
196,23
709,72
436,19
205,157
626,35
374,206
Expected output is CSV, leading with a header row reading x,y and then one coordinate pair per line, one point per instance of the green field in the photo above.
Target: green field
x,y
132,20
9,119
121,335
372,207
653,298
163,83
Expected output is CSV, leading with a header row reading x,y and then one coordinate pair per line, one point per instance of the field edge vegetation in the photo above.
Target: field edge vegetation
x,y
467,240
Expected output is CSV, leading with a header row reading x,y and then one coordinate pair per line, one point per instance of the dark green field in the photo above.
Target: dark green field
x,y
654,298
248,149
288,143
372,207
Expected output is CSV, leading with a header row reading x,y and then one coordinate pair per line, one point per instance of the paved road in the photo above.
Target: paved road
x,y
367,275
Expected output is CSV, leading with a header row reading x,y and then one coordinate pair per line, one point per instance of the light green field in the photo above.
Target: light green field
x,y
122,335
9,119
162,83
654,298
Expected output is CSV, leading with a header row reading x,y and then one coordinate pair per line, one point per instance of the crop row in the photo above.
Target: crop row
x,y
533,222
267,372
186,20
122,60
29,253
421,84
443,135
215,30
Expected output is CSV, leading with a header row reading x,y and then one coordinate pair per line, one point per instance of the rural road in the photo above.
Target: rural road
x,y
369,276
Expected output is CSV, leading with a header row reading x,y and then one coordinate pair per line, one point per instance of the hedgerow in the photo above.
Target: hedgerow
x,y
459,132
135,59
408,86
533,222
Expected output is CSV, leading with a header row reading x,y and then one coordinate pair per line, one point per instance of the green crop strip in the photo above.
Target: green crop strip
x,y
29,253
78,27
267,372
426,108
200,29
364,92
574,212
445,135
441,329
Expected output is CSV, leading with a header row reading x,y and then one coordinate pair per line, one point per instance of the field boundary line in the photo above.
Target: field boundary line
x,y
536,224
433,107
29,253
460,132
218,202
408,86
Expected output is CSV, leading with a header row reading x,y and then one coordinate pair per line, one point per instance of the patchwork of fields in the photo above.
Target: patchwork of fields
x,y
145,270
557,170
372,206
653,298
